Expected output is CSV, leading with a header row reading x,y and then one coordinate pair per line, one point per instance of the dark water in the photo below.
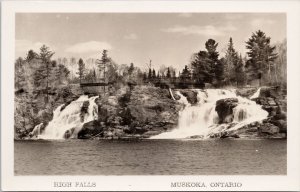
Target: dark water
x,y
151,157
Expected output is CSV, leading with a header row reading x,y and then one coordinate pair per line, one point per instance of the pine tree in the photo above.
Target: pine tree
x,y
240,75
261,57
31,55
186,74
219,71
201,69
43,73
94,76
231,59
81,70
153,74
150,74
131,69
211,47
102,64
168,73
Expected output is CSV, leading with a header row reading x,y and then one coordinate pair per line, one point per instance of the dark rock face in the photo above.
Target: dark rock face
x,y
152,109
84,109
246,92
142,111
269,128
273,100
269,104
190,95
90,129
224,108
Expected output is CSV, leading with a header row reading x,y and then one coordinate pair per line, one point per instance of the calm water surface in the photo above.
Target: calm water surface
x,y
151,157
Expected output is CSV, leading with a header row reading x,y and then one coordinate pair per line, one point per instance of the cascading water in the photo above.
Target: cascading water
x,y
69,119
202,119
171,93
256,94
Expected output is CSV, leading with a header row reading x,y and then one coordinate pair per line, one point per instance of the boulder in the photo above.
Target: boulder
x,y
269,128
90,129
190,95
246,91
84,109
224,108
282,124
273,92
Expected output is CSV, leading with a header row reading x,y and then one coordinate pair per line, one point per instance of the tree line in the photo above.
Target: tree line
x,y
264,63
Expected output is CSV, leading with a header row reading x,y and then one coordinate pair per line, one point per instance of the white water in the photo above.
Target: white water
x,y
202,119
69,119
256,94
170,90
36,130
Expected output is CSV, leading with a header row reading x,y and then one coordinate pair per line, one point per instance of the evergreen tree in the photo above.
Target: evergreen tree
x,y
31,55
231,59
43,73
131,69
174,74
240,75
102,64
150,73
94,76
168,73
211,47
20,80
153,74
201,69
111,73
81,69
261,57
219,72
186,74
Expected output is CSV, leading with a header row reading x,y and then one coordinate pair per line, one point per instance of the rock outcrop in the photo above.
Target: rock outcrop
x,y
140,111
272,99
190,95
224,108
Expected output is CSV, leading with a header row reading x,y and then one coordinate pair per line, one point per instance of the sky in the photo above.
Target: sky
x,y
167,39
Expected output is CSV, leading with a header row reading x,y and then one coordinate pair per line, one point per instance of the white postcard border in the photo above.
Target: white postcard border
x,y
142,183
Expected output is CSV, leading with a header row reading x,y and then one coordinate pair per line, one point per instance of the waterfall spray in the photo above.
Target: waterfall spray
x,y
202,119
69,120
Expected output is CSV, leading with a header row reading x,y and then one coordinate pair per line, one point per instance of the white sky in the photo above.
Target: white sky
x,y
166,38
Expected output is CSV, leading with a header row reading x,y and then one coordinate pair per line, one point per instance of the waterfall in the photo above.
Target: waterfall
x,y
202,119
170,90
70,120
36,130
256,94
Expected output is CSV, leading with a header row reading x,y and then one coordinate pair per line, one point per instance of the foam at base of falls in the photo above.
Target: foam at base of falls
x,y
201,119
69,119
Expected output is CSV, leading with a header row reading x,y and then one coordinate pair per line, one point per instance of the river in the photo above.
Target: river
x,y
151,157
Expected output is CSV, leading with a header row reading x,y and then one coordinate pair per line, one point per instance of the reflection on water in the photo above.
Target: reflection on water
x,y
151,157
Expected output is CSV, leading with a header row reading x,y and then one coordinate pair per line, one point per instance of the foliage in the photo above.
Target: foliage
x,y
186,74
81,69
231,60
20,80
261,57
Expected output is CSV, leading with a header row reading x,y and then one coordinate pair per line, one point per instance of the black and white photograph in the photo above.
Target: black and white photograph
x,y
181,93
